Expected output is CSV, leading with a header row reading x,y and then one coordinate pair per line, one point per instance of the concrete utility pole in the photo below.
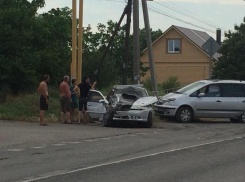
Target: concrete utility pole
x,y
149,46
136,43
74,40
210,61
126,49
80,43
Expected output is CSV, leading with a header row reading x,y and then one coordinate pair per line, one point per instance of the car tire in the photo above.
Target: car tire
x,y
107,119
242,117
184,115
235,120
148,124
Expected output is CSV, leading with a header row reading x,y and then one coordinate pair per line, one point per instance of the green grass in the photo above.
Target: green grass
x,y
26,108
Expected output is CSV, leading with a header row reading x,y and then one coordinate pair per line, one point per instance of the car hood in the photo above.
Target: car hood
x,y
144,101
171,96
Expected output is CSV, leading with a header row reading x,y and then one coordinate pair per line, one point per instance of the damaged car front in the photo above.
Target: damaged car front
x,y
128,103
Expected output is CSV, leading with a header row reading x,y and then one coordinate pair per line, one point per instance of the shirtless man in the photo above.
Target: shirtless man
x,y
65,100
44,99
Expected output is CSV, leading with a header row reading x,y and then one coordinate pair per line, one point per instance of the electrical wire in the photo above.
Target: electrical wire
x,y
116,1
189,13
155,10
185,14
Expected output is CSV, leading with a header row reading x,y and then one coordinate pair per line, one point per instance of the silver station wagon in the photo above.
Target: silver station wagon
x,y
205,99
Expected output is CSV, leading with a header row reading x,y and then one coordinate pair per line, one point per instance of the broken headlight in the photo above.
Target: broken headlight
x,y
169,102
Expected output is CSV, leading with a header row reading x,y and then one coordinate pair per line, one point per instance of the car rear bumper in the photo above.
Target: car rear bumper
x,y
169,111
132,115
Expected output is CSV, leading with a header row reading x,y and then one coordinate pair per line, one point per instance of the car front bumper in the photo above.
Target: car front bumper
x,y
163,110
132,115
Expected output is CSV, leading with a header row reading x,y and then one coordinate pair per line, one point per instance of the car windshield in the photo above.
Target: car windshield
x,y
131,91
191,87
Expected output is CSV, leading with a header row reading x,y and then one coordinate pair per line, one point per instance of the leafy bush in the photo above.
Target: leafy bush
x,y
171,84
147,84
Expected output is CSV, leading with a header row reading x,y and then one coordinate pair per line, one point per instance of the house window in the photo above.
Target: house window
x,y
174,46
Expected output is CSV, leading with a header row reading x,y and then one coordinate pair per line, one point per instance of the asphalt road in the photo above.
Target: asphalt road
x,y
171,152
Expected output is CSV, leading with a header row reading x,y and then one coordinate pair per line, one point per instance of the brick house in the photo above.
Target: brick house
x,y
183,53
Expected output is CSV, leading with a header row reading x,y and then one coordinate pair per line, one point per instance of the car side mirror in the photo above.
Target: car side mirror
x,y
201,95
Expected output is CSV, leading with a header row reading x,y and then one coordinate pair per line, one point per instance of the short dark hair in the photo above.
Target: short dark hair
x,y
73,81
45,77
85,78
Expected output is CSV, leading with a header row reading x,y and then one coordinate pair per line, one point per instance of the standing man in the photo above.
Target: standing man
x,y
84,91
44,98
65,100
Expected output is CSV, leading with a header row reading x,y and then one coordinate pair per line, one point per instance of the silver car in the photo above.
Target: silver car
x,y
205,99
123,103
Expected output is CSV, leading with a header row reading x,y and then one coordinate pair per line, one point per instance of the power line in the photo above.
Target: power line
x,y
186,14
153,9
194,14
116,1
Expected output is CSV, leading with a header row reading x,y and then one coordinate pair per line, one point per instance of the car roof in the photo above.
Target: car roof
x,y
222,81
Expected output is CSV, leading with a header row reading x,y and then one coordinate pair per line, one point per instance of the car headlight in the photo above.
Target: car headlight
x,y
169,103
146,107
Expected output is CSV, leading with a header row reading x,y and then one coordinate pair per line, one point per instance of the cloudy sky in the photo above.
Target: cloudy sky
x,y
206,14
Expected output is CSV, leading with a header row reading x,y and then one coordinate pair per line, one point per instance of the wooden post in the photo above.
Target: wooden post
x,y
80,43
74,40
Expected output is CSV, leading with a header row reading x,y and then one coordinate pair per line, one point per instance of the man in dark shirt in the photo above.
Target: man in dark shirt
x,y
85,87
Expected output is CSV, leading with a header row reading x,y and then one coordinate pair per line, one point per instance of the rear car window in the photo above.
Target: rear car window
x,y
233,90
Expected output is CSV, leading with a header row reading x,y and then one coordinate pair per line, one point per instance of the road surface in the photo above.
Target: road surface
x,y
170,152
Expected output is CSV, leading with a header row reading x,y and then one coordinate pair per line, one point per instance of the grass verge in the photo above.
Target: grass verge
x,y
26,108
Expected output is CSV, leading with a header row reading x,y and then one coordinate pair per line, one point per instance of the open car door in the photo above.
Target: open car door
x,y
95,107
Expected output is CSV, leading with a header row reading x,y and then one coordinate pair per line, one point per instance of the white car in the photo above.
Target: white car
x,y
123,103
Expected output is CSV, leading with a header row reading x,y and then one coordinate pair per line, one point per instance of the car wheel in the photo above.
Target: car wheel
x,y
234,120
148,124
184,115
107,119
242,118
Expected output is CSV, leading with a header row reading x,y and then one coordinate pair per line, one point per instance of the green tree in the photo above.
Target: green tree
x,y
112,69
231,64
54,44
17,22
154,36
33,45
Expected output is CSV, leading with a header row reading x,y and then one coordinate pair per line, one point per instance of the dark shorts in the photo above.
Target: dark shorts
x,y
65,104
83,104
43,105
